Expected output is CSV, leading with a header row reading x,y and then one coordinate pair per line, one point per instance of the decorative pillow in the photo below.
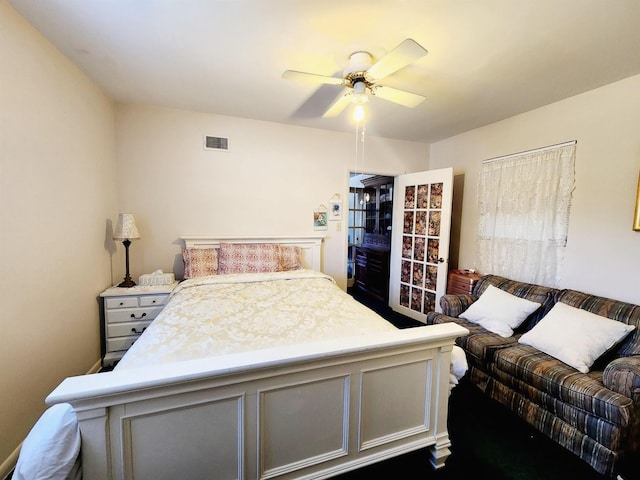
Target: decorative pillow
x,y
199,262
574,336
290,257
249,258
499,311
607,307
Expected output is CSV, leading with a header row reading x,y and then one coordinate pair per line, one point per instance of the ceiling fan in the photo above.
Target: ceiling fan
x,y
361,78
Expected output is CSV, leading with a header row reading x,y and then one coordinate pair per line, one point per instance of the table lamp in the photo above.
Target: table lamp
x,y
126,231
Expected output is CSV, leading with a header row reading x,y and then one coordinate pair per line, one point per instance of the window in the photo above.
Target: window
x,y
524,202
357,207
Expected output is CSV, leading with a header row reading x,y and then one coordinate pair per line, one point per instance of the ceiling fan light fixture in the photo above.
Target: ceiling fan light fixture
x,y
359,96
358,113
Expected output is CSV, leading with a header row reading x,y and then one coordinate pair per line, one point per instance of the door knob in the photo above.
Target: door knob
x,y
441,260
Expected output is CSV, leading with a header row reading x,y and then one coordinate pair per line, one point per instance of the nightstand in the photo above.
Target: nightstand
x,y
127,313
461,282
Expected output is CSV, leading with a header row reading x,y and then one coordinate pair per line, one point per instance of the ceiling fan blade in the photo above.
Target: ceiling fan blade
x,y
399,96
311,77
338,105
407,52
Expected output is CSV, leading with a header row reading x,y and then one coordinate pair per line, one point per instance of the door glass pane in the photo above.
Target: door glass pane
x,y
418,250
407,246
408,222
429,302
436,195
404,295
416,299
418,276
423,196
433,250
409,197
405,272
431,277
358,236
421,223
434,223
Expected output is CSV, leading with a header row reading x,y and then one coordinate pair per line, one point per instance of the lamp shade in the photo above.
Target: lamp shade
x,y
126,228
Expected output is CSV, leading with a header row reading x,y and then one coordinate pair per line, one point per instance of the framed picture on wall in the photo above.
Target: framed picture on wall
x,y
320,221
636,217
335,207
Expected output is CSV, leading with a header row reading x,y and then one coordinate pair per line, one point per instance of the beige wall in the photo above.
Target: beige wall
x,y
269,182
603,253
57,189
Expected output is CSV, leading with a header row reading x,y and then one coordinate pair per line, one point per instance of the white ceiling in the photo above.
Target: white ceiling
x,y
488,59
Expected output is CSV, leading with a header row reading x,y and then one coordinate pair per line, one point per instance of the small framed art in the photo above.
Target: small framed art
x,y
320,218
335,207
636,216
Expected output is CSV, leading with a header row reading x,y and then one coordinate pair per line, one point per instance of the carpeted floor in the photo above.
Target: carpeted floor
x,y
488,442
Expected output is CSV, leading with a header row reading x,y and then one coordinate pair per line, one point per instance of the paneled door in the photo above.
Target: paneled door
x,y
420,241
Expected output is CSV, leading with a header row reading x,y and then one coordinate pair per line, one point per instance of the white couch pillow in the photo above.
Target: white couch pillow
x,y
575,336
499,311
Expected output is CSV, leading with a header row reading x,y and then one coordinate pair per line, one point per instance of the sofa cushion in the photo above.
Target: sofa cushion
x,y
454,305
480,344
524,365
575,336
499,311
434,318
484,345
535,293
613,309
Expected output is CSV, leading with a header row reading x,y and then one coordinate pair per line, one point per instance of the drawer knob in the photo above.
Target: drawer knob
x,y
135,330
133,315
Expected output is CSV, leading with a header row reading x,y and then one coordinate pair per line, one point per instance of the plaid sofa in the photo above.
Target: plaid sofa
x,y
594,415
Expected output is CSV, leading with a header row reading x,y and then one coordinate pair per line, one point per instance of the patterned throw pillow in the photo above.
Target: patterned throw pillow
x,y
248,258
199,262
290,257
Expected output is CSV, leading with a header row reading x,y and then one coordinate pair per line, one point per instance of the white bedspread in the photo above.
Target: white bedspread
x,y
224,314
234,313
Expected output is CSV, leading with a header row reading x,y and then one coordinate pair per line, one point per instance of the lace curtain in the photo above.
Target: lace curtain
x,y
524,202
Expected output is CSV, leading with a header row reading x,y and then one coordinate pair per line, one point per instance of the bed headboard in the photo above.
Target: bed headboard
x,y
311,245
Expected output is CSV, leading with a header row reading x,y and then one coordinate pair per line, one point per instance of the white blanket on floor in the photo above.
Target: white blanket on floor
x,y
459,365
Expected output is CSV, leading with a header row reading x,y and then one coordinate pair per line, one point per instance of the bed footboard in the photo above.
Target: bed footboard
x,y
310,411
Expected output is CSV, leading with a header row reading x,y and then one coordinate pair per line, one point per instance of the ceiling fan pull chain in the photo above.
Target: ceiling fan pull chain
x,y
357,146
362,140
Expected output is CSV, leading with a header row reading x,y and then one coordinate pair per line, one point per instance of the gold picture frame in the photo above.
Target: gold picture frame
x,y
636,216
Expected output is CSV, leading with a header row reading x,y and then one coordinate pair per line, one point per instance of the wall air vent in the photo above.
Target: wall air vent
x,y
216,143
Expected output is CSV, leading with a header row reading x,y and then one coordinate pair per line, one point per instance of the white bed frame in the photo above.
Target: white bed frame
x,y
308,411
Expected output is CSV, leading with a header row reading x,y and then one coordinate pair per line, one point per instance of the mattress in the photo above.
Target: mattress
x,y
224,314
